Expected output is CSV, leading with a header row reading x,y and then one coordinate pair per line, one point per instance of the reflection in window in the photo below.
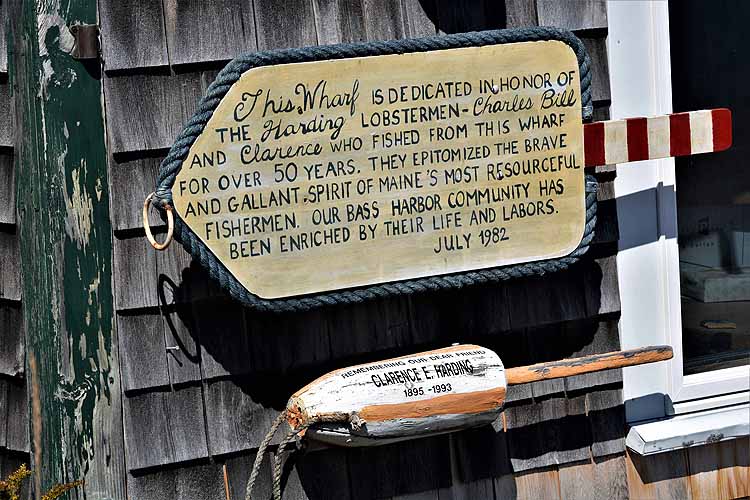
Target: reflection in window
x,y
710,69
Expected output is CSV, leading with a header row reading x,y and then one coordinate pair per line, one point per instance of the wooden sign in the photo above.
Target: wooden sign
x,y
427,393
335,174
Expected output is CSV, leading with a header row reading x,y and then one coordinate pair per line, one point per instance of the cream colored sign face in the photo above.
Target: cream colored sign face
x,y
335,174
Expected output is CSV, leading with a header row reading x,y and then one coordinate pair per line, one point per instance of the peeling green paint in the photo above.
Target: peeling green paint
x,y
66,246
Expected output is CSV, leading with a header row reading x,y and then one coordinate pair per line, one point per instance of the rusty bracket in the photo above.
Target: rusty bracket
x,y
86,41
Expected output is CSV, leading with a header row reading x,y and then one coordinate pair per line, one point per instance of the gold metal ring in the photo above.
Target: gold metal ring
x,y
147,227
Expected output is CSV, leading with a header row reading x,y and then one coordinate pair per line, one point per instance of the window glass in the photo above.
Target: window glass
x,y
711,69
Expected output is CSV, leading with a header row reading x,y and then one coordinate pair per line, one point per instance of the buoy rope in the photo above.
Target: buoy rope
x,y
291,436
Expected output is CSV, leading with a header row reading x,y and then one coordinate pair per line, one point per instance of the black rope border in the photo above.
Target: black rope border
x,y
172,164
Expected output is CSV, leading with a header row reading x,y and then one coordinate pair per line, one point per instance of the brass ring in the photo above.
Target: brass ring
x,y
147,227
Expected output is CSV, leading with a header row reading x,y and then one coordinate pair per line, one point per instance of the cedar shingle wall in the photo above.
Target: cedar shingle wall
x,y
203,378
14,437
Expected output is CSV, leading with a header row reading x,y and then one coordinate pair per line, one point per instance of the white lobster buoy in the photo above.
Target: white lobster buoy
x,y
401,398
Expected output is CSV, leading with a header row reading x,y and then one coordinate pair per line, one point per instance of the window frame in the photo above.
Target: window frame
x,y
648,257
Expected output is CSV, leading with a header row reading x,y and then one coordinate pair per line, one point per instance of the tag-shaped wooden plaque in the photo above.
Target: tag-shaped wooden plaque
x,y
334,174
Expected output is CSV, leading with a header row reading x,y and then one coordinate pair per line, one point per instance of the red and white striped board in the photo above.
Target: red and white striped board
x,y
635,139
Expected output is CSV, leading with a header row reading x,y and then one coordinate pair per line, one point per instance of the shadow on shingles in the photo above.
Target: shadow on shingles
x,y
520,320
471,461
450,16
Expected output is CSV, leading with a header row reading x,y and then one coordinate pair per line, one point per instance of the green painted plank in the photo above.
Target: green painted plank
x,y
65,241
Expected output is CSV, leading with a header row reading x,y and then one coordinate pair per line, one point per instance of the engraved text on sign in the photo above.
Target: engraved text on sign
x,y
335,174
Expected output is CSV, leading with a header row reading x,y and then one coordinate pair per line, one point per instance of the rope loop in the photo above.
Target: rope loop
x,y
147,226
260,453
292,435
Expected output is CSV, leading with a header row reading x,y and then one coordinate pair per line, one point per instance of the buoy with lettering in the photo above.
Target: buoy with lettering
x,y
424,394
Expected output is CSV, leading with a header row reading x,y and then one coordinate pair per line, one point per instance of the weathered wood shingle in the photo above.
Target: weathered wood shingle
x,y
238,471
339,21
478,475
10,272
131,181
573,15
519,13
14,411
133,34
143,357
595,479
383,20
549,299
597,50
183,349
606,229
3,413
164,427
224,341
541,346
7,190
197,482
4,25
135,272
7,124
417,22
236,421
420,467
199,31
605,339
324,477
546,431
12,350
282,24
455,17
606,416
151,279
146,111
601,289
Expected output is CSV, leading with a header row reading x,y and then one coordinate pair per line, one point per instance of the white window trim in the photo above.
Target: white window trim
x,y
694,429
648,265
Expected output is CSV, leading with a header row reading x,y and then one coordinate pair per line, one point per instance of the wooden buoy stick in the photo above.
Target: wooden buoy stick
x,y
587,364
635,139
